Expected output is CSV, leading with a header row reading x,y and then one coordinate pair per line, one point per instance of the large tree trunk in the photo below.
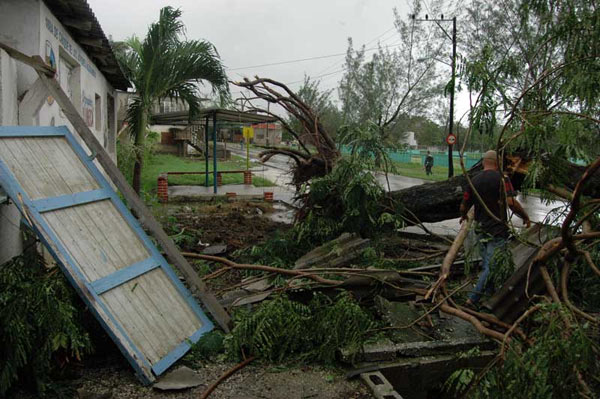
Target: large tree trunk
x,y
434,202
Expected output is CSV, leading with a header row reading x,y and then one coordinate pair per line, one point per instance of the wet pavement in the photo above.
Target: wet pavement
x,y
278,167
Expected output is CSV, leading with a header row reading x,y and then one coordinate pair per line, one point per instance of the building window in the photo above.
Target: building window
x,y
69,77
98,111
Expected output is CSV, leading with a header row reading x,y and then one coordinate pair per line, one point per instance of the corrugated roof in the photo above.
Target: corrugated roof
x,y
79,19
223,115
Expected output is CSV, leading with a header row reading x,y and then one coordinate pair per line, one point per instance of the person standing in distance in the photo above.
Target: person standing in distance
x,y
492,232
428,163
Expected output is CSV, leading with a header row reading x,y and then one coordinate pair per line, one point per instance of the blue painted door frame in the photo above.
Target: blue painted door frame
x,y
33,209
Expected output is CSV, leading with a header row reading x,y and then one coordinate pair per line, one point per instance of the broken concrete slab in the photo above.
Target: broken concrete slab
x,y
178,379
379,385
399,314
415,377
334,253
386,350
448,335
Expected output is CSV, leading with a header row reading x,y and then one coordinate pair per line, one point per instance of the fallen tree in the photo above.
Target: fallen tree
x,y
439,201
308,164
432,202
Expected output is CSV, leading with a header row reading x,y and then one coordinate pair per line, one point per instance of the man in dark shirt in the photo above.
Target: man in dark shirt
x,y
493,230
428,163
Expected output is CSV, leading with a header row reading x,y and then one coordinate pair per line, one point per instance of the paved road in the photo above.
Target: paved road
x,y
277,170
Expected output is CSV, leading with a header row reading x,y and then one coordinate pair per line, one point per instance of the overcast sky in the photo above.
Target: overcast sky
x,y
255,32
248,33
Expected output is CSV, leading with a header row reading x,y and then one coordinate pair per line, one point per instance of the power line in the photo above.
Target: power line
x,y
299,60
288,62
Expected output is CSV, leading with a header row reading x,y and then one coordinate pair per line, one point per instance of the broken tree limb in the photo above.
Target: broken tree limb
x,y
144,216
451,254
564,278
515,325
268,269
473,320
225,376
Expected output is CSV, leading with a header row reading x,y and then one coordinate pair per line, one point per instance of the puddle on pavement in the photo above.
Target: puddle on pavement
x,y
282,213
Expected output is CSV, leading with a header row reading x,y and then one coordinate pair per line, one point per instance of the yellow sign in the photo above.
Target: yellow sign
x,y
248,132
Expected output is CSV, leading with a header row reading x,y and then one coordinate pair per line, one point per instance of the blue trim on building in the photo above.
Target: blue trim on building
x,y
122,276
69,200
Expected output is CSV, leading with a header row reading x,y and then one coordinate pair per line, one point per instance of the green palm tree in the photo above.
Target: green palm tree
x,y
163,66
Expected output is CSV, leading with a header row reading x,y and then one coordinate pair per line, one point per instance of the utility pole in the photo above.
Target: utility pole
x,y
451,127
451,137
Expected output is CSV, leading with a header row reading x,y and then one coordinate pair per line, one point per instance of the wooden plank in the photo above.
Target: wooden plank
x,y
43,160
77,240
151,293
103,256
122,276
72,272
162,283
161,324
35,62
143,214
69,200
166,332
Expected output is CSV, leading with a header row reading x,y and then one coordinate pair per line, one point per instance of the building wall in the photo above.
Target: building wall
x,y
30,27
10,218
260,136
20,29
89,91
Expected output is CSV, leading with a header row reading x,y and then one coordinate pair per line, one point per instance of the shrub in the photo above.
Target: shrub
x,y
39,321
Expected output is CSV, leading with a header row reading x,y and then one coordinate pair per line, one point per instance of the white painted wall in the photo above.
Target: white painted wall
x,y
87,87
8,90
10,218
30,27
19,28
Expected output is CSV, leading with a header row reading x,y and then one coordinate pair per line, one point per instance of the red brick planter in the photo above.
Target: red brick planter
x,y
219,179
163,188
247,177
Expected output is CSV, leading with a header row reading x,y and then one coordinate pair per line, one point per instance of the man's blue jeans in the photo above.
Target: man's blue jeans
x,y
488,244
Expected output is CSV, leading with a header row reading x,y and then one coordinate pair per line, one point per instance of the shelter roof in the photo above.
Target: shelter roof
x,y
222,115
80,21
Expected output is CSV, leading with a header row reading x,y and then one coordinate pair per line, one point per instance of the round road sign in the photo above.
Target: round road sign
x,y
451,139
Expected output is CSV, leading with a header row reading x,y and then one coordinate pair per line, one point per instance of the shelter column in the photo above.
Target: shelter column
x,y
215,152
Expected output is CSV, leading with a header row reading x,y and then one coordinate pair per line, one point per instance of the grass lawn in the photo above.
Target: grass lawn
x,y
416,170
160,163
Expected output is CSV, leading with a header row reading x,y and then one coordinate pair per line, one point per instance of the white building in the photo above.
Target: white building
x,y
68,37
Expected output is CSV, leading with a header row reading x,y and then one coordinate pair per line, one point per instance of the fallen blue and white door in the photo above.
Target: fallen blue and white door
x,y
100,246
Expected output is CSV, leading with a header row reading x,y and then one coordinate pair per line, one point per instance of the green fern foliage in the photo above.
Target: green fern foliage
x,y
280,328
